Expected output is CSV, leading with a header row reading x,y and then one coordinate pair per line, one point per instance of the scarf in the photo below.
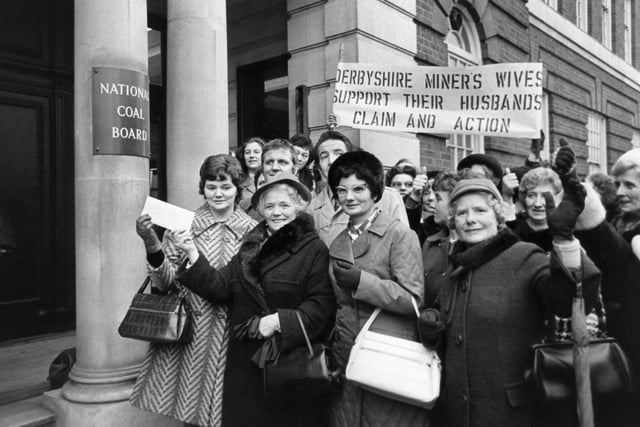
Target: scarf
x,y
465,258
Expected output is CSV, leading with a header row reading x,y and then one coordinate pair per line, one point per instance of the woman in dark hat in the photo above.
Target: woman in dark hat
x,y
375,262
281,268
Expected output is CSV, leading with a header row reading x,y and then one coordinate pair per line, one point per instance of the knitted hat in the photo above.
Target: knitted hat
x,y
474,185
283,178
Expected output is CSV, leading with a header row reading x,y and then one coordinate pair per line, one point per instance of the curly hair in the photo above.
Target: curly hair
x,y
535,177
217,168
399,170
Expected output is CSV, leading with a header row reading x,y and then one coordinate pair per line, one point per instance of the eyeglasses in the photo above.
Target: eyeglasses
x,y
357,190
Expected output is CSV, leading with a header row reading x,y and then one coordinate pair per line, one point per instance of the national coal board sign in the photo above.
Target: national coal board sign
x,y
120,112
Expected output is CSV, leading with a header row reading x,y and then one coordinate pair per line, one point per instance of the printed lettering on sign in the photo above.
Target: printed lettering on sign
x,y
497,99
120,112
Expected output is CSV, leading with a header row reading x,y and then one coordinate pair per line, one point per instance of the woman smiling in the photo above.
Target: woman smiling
x,y
280,269
375,262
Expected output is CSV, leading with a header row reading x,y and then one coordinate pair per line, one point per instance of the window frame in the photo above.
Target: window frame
x,y
628,31
582,15
607,30
461,145
596,143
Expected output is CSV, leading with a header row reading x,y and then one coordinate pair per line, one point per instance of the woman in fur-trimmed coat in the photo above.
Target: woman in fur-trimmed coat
x,y
281,268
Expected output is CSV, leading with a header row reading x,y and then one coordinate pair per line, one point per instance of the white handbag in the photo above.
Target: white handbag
x,y
397,368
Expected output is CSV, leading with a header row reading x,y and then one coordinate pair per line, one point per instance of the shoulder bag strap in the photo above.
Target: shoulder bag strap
x,y
304,332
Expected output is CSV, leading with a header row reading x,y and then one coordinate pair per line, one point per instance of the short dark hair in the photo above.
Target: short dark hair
x,y
240,151
279,144
364,166
398,170
446,181
333,134
215,167
303,141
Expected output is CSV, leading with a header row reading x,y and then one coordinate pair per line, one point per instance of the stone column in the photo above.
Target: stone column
x,y
197,95
109,194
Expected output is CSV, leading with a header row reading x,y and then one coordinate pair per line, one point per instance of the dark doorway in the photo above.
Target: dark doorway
x,y
37,268
263,99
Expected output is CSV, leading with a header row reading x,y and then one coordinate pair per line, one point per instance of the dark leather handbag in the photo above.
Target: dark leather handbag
x,y
157,318
300,373
551,373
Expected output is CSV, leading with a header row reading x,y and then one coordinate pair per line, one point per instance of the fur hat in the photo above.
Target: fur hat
x,y
359,160
282,178
474,185
594,212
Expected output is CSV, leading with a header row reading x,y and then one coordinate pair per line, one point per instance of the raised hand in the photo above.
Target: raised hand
x,y
144,228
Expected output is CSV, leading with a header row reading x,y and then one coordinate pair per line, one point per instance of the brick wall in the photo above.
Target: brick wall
x,y
575,87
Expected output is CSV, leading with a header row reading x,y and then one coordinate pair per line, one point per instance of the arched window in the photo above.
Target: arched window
x,y
463,46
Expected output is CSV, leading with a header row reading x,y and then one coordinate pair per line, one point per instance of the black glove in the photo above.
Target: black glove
x,y
562,220
565,162
430,328
347,275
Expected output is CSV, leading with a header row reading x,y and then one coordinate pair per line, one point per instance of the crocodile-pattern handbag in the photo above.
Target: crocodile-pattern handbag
x,y
157,318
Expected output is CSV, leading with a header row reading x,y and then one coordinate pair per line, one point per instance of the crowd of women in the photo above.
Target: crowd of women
x,y
289,230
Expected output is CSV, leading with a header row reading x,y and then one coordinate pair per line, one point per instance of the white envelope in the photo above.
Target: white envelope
x,y
167,215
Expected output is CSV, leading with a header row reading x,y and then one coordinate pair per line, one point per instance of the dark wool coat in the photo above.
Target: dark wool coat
x,y
494,312
284,273
435,258
541,238
621,294
388,254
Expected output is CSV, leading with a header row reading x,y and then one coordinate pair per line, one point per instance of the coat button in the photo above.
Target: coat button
x,y
458,339
464,399
226,240
444,273
464,287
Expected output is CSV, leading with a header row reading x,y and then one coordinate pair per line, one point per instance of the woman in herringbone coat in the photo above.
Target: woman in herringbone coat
x,y
184,381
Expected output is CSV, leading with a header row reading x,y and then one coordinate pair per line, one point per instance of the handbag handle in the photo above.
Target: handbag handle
x,y
377,311
144,285
304,332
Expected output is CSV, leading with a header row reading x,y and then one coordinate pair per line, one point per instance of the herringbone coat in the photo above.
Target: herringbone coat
x,y
185,381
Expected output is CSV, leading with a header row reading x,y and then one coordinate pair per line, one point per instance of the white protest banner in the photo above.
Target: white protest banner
x,y
499,99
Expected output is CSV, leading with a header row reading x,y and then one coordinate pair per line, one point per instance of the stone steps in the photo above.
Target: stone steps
x,y
26,413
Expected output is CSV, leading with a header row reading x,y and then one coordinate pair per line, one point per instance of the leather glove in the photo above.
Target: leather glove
x,y
430,328
347,275
144,228
565,162
562,220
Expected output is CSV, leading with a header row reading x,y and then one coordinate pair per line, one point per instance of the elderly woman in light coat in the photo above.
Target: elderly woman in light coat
x,y
375,262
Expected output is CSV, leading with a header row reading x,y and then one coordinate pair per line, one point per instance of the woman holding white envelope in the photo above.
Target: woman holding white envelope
x,y
184,381
375,263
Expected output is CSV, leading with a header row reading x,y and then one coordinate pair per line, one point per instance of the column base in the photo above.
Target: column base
x,y
112,414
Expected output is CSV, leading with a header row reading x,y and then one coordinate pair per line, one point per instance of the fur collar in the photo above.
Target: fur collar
x,y
258,248
465,258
